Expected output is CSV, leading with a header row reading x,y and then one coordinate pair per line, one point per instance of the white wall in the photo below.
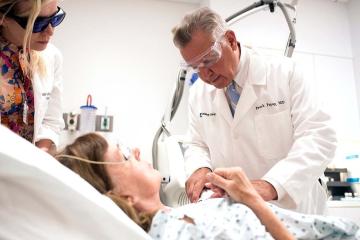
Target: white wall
x,y
354,16
324,46
121,52
125,58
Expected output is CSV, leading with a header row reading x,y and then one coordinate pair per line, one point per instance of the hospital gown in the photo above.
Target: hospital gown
x,y
222,219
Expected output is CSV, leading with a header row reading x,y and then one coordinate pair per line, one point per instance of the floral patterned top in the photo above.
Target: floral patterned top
x,y
16,93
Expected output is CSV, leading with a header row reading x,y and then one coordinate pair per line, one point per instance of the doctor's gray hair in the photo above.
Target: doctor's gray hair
x,y
203,19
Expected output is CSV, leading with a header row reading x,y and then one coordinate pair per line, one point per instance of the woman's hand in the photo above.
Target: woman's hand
x,y
46,145
235,183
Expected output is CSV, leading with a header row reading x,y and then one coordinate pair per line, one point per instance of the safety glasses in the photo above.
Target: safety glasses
x,y
207,58
125,150
41,23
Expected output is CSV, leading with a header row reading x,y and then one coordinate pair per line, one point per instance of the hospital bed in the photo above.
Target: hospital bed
x,y
41,199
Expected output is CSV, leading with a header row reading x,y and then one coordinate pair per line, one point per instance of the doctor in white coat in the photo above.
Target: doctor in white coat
x,y
275,132
31,81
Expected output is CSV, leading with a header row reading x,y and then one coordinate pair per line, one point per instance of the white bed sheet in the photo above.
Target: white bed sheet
x,y
41,199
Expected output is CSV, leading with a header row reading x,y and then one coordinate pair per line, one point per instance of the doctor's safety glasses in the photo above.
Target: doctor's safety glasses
x,y
41,23
126,152
207,58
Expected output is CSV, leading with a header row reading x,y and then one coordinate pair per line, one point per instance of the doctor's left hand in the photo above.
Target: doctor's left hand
x,y
265,189
195,184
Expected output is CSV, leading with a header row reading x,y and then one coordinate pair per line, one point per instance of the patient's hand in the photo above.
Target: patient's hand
x,y
217,191
238,186
235,183
195,184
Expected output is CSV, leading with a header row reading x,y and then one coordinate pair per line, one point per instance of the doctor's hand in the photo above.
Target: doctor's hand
x,y
195,184
235,183
265,189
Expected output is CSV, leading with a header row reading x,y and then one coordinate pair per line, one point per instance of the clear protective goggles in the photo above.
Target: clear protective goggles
x,y
205,59
41,23
125,150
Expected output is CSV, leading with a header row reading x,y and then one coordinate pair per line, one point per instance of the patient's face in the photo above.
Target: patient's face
x,y
134,177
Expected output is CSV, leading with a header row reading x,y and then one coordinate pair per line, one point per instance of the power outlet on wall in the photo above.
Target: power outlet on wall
x,y
104,123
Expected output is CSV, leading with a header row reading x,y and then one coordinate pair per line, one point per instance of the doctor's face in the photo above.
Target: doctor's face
x,y
134,177
223,71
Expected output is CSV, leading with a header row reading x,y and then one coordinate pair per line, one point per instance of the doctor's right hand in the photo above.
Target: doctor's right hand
x,y
196,183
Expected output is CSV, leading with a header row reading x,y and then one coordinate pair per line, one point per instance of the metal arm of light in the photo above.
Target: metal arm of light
x,y
271,4
255,7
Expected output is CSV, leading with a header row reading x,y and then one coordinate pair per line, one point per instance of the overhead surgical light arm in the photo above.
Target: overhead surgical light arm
x,y
271,4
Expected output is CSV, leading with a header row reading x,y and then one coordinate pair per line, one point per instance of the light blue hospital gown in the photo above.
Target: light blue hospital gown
x,y
221,219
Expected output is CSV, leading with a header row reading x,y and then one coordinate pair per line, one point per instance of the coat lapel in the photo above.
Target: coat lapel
x,y
247,100
257,75
222,106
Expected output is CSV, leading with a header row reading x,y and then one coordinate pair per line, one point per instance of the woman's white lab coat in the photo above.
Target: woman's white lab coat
x,y
278,133
48,121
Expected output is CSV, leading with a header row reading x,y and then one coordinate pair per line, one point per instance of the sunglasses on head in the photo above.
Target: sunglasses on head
x,y
41,23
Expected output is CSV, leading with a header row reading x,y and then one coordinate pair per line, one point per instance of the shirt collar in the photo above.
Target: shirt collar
x,y
243,67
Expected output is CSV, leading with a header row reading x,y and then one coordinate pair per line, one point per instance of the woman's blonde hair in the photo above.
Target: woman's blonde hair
x,y
31,60
93,147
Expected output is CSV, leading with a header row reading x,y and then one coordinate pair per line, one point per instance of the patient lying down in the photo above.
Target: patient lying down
x,y
134,186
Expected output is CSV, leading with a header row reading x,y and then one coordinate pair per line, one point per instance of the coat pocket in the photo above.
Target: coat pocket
x,y
274,133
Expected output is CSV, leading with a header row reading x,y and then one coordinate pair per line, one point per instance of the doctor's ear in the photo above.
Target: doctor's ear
x,y
2,20
231,38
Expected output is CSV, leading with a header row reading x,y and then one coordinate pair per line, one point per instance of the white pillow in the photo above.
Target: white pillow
x,y
41,199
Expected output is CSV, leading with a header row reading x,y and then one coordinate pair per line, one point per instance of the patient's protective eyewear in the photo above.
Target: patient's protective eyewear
x,y
41,23
125,150
205,59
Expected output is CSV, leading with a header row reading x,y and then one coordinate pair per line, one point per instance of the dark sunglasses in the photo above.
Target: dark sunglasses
x,y
41,23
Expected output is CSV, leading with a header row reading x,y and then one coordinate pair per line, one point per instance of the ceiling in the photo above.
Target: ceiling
x,y
199,1
184,1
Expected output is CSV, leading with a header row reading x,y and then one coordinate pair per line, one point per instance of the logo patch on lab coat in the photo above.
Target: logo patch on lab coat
x,y
207,114
46,95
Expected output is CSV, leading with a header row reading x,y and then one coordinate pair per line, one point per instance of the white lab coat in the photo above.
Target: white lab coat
x,y
48,121
278,133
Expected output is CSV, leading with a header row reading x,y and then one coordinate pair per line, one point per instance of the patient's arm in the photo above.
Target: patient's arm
x,y
272,223
239,188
